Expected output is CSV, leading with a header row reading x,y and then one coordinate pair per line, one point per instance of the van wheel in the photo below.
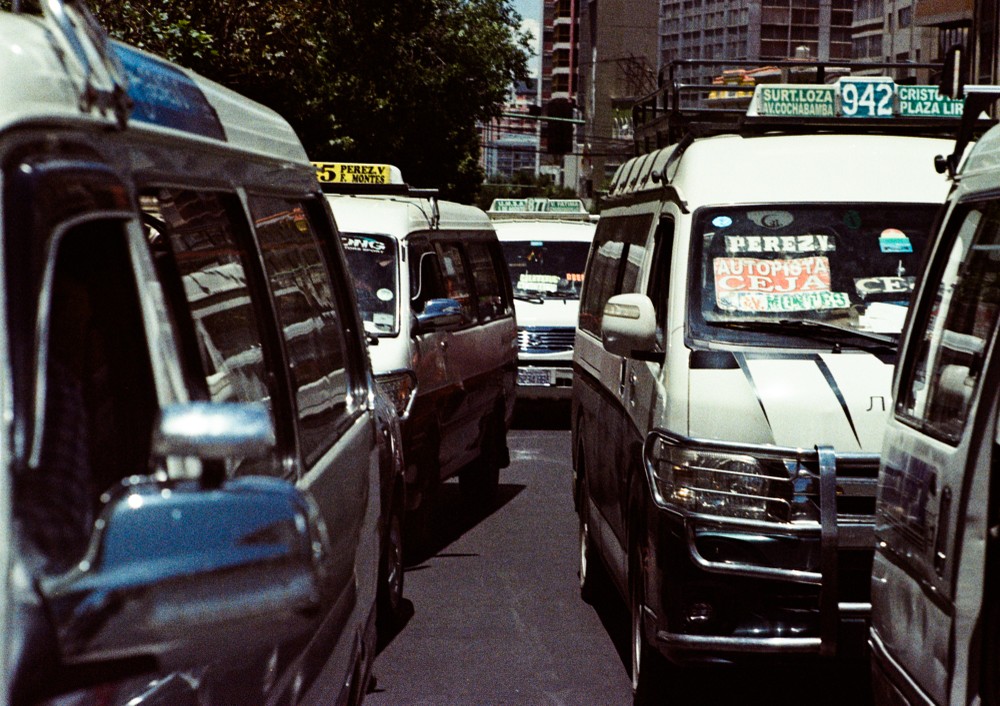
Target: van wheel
x,y
390,572
649,669
590,564
479,481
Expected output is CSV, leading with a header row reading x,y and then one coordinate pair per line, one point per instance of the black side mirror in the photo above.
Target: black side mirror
x,y
955,72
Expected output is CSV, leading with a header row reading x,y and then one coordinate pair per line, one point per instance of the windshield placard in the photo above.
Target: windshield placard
x,y
763,285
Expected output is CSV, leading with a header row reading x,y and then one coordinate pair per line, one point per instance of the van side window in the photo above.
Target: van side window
x,y
197,232
489,285
425,278
456,279
607,268
99,395
311,327
958,326
658,288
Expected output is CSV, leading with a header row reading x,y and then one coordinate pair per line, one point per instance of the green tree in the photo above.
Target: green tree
x,y
360,80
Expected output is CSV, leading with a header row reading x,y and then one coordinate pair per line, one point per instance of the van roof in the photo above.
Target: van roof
x,y
166,98
774,168
578,231
399,216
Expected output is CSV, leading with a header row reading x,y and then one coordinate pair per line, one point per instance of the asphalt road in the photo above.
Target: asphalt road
x,y
494,615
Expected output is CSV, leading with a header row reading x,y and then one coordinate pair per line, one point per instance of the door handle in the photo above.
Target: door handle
x,y
621,377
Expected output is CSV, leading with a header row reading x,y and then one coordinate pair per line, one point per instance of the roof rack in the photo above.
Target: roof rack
x,y
707,97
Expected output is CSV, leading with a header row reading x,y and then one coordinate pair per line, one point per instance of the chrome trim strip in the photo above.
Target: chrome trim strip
x,y
855,609
749,570
715,643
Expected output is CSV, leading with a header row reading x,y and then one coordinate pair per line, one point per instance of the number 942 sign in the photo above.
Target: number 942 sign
x,y
867,98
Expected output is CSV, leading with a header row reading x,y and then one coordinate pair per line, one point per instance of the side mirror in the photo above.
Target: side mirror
x,y
628,327
439,314
212,430
182,576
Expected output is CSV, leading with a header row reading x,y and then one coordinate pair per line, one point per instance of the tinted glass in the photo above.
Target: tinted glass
x,y
374,268
546,269
852,266
312,330
958,326
489,287
456,280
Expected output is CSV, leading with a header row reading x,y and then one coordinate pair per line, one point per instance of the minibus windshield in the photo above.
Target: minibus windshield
x,y
852,267
542,269
372,262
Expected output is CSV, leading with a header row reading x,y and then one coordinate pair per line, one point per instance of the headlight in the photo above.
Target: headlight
x,y
730,484
398,387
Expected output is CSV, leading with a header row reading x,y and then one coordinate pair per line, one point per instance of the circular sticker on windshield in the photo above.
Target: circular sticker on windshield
x,y
384,294
722,221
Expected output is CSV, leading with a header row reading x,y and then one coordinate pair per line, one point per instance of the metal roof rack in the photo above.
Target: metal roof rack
x,y
708,97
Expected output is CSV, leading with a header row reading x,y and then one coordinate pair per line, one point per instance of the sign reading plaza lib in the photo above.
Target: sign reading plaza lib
x,y
853,97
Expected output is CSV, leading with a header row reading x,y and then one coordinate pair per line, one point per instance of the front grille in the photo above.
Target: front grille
x,y
857,481
545,339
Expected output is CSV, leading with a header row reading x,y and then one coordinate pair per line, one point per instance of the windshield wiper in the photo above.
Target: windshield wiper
x,y
875,341
533,298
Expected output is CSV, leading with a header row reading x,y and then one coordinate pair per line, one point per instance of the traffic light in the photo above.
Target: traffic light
x,y
558,134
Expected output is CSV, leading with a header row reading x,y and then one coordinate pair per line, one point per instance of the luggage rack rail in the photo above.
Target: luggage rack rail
x,y
706,97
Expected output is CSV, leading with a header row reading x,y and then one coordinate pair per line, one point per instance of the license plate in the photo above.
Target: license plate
x,y
534,378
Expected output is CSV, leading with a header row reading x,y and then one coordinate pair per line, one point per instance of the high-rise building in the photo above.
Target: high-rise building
x,y
509,145
755,30
617,65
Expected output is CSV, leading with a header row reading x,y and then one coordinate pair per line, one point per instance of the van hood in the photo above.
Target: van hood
x,y
557,313
791,400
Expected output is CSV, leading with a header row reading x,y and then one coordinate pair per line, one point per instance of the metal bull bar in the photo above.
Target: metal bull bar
x,y
833,536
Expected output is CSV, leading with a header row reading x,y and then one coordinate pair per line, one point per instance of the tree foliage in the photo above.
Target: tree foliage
x,y
360,80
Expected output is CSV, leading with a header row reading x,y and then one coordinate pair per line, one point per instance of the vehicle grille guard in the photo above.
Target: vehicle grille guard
x,y
833,536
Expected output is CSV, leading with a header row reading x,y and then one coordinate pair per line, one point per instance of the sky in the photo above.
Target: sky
x,y
531,14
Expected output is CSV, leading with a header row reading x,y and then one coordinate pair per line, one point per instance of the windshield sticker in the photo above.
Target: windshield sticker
x,y
771,219
538,283
803,284
779,243
384,294
722,221
382,319
359,243
894,240
884,285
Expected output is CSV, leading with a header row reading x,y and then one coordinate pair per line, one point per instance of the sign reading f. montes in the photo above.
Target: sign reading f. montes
x,y
352,173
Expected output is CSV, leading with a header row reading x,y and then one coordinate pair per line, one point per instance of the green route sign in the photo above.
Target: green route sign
x,y
853,97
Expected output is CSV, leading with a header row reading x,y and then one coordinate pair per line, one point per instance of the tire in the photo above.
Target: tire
x,y
391,573
480,481
590,563
649,669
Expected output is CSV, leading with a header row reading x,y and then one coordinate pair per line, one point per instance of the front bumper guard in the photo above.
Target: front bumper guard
x,y
833,537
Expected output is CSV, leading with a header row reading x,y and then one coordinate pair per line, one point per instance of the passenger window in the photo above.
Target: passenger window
x,y
99,400
196,231
312,329
425,279
958,326
456,281
489,285
618,250
658,288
